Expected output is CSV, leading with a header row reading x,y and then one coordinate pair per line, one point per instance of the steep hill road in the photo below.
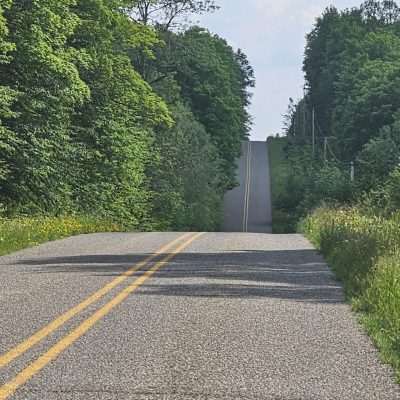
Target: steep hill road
x,y
248,207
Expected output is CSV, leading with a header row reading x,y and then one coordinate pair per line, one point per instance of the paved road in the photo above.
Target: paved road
x,y
232,316
248,207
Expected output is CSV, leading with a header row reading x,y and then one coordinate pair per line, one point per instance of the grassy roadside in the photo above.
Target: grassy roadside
x,y
22,232
363,249
282,221
364,252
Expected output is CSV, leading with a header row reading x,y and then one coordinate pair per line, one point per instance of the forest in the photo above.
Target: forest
x,y
337,170
350,114
121,110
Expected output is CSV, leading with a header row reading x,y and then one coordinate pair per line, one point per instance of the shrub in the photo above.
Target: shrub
x,y
18,233
364,252
377,159
330,184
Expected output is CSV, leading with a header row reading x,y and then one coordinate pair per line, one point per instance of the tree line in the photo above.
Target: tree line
x,y
350,113
119,109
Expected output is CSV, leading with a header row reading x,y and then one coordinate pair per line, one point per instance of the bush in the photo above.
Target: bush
x,y
364,252
377,159
391,191
330,184
385,198
18,233
301,182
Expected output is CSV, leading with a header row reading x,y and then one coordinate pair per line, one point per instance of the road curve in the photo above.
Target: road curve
x,y
229,316
248,207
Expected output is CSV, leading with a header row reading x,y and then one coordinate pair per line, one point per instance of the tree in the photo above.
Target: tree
x,y
333,42
102,114
49,87
352,71
247,81
8,139
5,45
196,73
165,13
384,12
289,119
368,92
351,67
186,175
214,82
114,128
378,159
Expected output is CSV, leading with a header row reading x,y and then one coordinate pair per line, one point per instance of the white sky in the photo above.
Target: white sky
x,y
272,34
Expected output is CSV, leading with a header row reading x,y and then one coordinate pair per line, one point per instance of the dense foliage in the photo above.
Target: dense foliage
x,y
104,110
350,114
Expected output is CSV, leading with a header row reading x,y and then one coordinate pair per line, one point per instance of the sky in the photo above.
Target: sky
x,y
272,34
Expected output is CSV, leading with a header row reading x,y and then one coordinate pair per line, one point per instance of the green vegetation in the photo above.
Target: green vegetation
x,y
350,113
282,220
21,232
117,109
364,252
350,116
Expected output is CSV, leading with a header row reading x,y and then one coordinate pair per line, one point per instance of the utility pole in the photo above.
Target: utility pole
x,y
352,171
296,118
325,149
304,112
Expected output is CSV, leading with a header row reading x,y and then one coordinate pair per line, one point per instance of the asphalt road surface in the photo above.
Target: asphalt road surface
x,y
248,207
212,316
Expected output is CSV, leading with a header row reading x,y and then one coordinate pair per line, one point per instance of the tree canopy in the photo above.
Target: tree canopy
x,y
165,13
115,108
348,119
351,67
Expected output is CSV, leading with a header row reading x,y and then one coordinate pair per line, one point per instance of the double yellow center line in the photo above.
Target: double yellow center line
x,y
36,366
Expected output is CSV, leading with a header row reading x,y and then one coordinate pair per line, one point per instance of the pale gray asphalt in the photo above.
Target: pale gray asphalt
x,y
237,316
260,205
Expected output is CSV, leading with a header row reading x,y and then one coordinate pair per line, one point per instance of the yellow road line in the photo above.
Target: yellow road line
x,y
61,320
25,375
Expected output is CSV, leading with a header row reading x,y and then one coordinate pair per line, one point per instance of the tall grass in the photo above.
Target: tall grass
x,y
364,252
18,233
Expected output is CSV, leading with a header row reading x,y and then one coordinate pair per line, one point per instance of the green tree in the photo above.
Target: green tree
x,y
43,72
377,160
368,93
186,175
352,72
104,114
226,80
334,41
8,139
214,81
381,12
114,128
